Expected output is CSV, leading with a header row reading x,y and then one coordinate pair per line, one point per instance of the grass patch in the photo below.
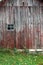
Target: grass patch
x,y
6,58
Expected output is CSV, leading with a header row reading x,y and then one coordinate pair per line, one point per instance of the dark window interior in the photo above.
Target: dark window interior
x,y
10,26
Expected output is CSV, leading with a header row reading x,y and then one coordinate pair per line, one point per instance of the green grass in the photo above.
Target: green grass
x,y
7,58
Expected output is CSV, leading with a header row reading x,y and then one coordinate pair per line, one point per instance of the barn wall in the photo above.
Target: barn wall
x,y
28,24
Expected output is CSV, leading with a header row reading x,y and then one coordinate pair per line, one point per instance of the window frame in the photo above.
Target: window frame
x,y
11,29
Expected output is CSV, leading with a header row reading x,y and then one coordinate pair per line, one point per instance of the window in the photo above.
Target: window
x,y
10,27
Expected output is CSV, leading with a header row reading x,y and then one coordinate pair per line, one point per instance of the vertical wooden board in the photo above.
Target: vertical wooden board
x,y
22,29
41,19
17,23
27,31
21,33
29,28
2,26
36,24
